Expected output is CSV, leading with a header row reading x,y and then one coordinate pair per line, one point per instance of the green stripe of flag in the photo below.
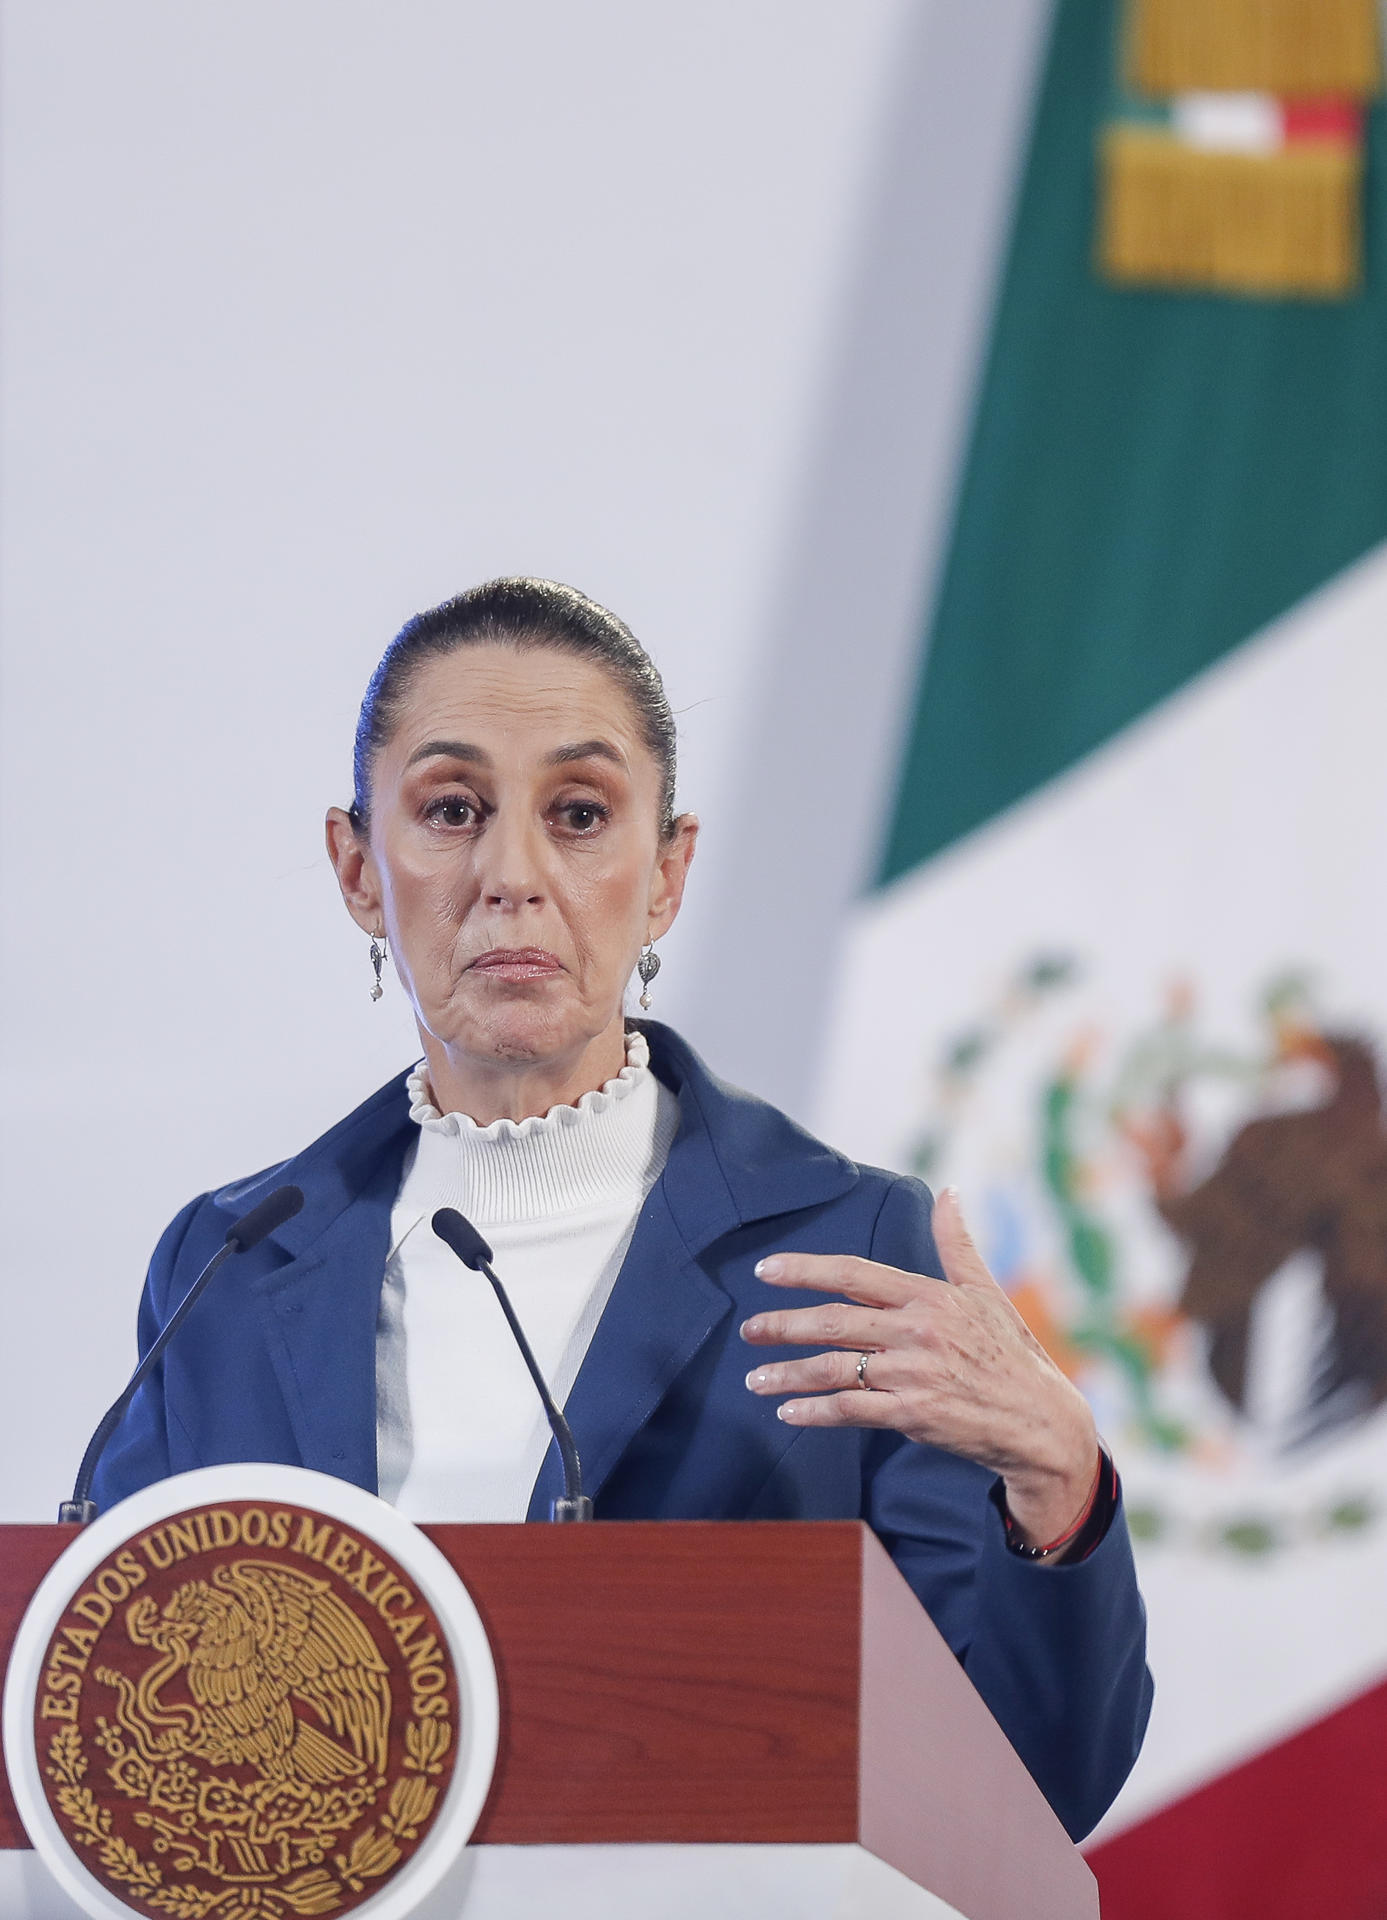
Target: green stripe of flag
x,y
1152,478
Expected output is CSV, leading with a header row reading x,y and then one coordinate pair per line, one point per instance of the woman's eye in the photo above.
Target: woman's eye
x,y
451,811
583,816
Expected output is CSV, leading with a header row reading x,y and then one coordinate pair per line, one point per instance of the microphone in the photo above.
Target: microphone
x,y
272,1212
473,1252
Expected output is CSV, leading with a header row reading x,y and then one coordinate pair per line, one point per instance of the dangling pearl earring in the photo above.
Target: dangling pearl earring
x,y
647,967
378,959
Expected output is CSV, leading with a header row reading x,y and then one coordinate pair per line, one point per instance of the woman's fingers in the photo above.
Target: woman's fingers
x,y
850,1409
963,1265
836,1324
867,1281
951,1364
822,1373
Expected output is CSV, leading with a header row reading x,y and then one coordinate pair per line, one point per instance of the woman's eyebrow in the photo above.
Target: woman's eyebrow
x,y
587,750
450,750
478,756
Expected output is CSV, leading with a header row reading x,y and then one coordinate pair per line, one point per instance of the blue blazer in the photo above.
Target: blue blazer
x,y
277,1362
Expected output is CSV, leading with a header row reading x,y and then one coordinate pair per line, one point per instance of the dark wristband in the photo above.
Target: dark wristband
x,y
1089,1533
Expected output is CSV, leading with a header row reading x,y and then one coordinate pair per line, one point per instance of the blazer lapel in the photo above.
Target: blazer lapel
x,y
661,1310
318,1299
318,1315
733,1160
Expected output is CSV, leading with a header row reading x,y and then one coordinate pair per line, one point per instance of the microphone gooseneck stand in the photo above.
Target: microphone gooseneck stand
x,y
472,1250
272,1212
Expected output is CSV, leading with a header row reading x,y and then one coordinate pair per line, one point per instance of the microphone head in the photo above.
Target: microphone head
x,y
462,1237
273,1211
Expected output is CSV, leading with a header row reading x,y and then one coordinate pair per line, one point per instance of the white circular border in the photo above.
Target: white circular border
x,y
479,1698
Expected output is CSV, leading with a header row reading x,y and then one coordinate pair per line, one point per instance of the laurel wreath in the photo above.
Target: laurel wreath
x,y
90,1823
1254,1534
374,1851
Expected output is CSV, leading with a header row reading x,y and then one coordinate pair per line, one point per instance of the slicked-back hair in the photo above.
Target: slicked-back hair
x,y
526,615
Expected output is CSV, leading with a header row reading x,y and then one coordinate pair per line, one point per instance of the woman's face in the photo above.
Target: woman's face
x,y
514,855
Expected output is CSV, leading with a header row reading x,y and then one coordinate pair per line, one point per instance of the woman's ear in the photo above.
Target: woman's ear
x,y
350,854
671,871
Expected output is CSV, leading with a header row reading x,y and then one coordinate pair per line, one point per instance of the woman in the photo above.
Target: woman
x,y
672,1245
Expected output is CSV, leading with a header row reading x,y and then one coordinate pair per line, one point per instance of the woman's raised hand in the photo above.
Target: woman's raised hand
x,y
949,1363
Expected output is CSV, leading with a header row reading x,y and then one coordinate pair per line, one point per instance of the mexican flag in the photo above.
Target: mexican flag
x,y
1123,972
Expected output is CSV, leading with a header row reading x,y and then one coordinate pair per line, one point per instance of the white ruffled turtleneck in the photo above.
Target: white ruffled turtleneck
x,y
460,1433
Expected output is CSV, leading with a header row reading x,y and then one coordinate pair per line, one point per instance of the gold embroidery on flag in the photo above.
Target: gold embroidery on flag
x,y
1284,223
1267,46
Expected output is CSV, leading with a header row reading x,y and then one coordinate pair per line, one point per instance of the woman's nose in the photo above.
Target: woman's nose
x,y
513,871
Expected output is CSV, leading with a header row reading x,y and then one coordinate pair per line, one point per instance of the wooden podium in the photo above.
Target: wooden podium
x,y
696,1718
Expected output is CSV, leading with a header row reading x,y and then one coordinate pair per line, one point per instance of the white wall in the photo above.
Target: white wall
x,y
313,313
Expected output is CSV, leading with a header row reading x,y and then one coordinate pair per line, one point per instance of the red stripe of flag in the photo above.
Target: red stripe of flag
x,y
1296,1833
1333,119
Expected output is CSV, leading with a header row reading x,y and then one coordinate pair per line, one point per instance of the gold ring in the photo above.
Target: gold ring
x,y
862,1360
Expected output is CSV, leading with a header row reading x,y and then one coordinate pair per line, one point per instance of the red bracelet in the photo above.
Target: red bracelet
x,y
1065,1539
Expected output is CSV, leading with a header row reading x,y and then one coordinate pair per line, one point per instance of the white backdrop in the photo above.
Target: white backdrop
x,y
313,314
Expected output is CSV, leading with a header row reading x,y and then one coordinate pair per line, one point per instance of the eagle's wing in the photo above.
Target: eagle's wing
x,y
246,1714
311,1644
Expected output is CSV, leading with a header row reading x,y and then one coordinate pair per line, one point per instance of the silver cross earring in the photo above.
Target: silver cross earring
x,y
378,959
647,967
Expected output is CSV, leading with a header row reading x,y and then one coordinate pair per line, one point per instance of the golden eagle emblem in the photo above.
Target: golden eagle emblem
x,y
247,1735
282,1674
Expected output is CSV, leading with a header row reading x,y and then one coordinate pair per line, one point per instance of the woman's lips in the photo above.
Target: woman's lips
x,y
516,963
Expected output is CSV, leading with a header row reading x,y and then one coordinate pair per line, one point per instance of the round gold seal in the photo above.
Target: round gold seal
x,y
248,1712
